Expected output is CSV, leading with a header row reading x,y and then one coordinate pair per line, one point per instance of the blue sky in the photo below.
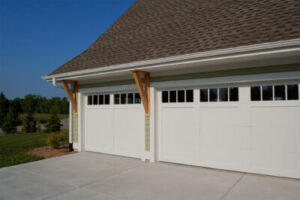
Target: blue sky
x,y
37,36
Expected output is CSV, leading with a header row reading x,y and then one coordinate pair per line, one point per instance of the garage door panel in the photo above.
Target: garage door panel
x,y
128,131
276,133
218,127
178,134
99,128
114,124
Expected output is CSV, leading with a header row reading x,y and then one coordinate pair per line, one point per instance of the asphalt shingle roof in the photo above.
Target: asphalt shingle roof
x,y
152,29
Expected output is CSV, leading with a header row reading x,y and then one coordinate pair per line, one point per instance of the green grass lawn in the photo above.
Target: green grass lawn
x,y
14,147
43,117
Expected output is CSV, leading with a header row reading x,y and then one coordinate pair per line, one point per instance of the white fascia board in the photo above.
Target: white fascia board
x,y
236,52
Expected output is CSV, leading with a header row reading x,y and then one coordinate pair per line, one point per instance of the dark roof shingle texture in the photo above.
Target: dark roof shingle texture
x,y
152,29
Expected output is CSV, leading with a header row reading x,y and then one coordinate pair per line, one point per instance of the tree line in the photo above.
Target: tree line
x,y
10,109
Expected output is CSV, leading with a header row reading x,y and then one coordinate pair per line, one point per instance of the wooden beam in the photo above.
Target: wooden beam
x,y
143,91
70,95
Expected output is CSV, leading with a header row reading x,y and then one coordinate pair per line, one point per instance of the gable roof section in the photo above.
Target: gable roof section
x,y
152,29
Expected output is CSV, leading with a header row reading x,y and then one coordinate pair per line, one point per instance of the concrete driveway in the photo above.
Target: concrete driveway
x,y
97,176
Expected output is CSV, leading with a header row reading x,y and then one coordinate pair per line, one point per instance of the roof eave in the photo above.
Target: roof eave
x,y
233,53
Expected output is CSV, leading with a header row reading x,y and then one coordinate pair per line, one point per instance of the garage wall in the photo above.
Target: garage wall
x,y
224,73
75,127
221,73
147,133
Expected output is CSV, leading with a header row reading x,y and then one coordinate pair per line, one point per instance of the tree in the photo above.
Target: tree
x,y
30,123
53,124
29,103
11,121
4,104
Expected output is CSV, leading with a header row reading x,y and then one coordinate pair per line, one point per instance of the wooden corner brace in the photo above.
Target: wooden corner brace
x,y
143,90
73,99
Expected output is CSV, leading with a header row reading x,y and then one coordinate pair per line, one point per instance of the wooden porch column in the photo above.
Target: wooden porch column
x,y
73,99
144,89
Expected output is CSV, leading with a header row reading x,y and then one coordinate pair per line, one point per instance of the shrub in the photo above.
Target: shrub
x,y
53,124
38,126
30,124
55,140
10,121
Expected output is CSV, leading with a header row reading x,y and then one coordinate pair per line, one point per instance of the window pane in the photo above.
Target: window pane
x,y
267,93
130,98
181,96
123,98
173,96
101,99
189,95
293,92
165,98
255,93
279,92
90,100
213,94
137,98
117,99
107,99
204,95
95,100
234,94
223,94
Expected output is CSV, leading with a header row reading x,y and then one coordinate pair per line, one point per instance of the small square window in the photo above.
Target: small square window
x,y
165,96
204,95
234,94
223,94
95,100
293,92
117,98
189,95
137,98
123,98
255,93
130,98
213,94
101,99
267,93
181,95
107,99
90,100
173,96
279,92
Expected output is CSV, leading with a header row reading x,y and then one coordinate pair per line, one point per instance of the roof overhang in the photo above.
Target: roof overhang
x,y
265,54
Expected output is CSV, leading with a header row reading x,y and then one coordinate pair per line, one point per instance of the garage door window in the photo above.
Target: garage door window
x,y
275,92
293,92
219,94
177,96
98,99
127,98
279,92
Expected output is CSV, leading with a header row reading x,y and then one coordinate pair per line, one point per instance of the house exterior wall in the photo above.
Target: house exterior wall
x,y
75,127
147,133
233,72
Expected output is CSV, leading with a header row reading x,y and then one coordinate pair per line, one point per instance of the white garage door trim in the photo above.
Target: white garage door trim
x,y
246,124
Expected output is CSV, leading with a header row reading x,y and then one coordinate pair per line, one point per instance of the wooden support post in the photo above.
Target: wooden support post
x,y
144,91
73,99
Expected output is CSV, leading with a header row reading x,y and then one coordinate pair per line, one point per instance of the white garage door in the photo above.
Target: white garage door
x,y
114,124
247,128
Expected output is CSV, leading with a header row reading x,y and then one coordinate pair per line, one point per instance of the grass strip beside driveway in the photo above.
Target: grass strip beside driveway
x,y
13,148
